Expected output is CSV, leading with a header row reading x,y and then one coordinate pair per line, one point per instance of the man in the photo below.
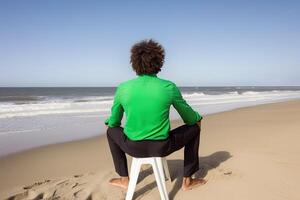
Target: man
x,y
146,101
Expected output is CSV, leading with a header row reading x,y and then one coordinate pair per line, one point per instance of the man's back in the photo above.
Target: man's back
x,y
146,101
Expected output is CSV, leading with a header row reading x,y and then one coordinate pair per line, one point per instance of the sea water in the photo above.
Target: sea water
x,y
31,117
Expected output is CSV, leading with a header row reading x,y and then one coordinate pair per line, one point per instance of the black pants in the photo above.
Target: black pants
x,y
187,136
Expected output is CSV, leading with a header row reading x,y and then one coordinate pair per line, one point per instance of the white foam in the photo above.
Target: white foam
x,y
101,105
195,94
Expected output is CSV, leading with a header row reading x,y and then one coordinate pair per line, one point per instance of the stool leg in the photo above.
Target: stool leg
x,y
166,169
134,173
160,178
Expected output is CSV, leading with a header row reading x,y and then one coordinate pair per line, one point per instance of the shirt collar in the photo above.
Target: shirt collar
x,y
147,75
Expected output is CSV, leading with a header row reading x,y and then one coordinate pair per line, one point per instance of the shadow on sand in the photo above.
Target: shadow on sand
x,y
206,163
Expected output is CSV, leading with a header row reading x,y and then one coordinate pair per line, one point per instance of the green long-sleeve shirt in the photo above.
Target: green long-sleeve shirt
x,y
146,101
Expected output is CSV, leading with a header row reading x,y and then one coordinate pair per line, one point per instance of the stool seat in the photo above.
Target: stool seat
x,y
160,169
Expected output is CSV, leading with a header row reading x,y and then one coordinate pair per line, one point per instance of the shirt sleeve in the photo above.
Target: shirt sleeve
x,y
116,111
185,111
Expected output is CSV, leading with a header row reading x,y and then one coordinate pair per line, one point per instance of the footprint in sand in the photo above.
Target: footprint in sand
x,y
36,184
27,195
227,173
79,186
78,175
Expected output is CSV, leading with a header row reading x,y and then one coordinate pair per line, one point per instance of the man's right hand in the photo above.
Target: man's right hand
x,y
199,124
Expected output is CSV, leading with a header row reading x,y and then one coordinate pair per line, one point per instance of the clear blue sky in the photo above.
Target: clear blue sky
x,y
208,43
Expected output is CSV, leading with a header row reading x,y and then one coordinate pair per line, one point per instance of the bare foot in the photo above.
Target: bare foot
x,y
120,182
189,183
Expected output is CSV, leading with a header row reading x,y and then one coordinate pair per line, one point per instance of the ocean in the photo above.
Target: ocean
x,y
37,116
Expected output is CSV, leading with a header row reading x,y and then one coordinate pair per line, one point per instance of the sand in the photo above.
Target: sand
x,y
248,153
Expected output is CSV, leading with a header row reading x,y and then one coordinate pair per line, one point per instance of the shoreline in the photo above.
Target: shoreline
x,y
173,121
236,146
63,115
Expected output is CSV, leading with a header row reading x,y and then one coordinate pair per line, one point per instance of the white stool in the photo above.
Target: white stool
x,y
160,168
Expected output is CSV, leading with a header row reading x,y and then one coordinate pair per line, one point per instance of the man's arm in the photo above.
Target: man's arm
x,y
116,112
185,111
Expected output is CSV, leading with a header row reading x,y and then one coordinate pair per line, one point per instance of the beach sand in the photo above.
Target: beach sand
x,y
248,153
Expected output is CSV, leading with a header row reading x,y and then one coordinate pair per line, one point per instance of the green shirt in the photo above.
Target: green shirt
x,y
146,101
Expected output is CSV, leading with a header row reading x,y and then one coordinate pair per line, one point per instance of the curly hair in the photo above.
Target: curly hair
x,y
147,57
